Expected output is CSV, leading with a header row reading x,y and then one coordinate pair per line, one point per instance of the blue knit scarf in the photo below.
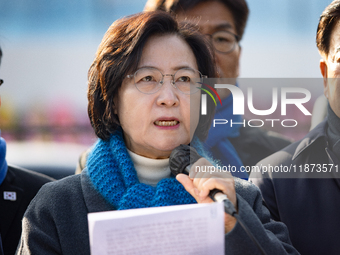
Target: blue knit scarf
x,y
113,175
3,163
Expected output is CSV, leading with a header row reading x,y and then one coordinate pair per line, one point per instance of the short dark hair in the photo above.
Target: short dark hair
x,y
119,54
329,17
238,8
0,55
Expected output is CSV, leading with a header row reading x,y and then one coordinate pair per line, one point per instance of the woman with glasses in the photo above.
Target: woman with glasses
x,y
144,101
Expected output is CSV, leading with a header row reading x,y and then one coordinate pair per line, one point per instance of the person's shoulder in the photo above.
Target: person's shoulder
x,y
314,138
59,193
75,192
247,190
63,186
25,184
58,205
25,180
280,157
29,175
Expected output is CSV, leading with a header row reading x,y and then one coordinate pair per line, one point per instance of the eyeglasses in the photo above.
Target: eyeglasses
x,y
1,82
224,41
149,80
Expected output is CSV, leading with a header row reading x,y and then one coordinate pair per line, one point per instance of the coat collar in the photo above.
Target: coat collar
x,y
94,201
318,133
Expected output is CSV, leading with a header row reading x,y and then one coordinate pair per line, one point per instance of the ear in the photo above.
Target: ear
x,y
324,69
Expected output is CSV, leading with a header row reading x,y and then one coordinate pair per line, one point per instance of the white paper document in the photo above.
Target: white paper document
x,y
182,229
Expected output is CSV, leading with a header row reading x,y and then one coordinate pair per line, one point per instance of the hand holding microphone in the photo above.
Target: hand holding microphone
x,y
203,186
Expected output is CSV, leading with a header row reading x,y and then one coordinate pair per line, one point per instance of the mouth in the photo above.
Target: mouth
x,y
166,123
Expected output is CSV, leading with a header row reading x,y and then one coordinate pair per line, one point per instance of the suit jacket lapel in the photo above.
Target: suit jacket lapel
x,y
94,201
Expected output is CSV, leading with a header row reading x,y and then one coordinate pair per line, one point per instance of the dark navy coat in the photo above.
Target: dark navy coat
x,y
306,199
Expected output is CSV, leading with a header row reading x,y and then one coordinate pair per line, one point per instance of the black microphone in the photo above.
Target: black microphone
x,y
180,161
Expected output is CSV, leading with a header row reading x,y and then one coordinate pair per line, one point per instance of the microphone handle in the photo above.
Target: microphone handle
x,y
217,196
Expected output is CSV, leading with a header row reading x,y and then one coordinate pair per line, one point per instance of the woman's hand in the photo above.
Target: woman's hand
x,y
199,184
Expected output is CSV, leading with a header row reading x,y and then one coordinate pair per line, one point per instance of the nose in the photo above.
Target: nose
x,y
168,93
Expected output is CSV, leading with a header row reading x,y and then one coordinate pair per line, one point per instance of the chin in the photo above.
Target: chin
x,y
171,144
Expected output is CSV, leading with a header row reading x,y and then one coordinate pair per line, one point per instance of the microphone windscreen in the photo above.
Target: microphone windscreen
x,y
181,157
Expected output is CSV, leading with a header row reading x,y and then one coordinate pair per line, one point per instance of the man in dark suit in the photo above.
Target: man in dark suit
x,y
305,193
17,188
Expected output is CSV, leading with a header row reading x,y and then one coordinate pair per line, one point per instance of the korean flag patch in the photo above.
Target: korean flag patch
x,y
10,195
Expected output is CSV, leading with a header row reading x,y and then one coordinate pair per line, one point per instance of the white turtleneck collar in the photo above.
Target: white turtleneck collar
x,y
150,171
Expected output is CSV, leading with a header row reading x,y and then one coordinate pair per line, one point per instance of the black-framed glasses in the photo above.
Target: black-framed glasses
x,y
1,82
149,80
224,41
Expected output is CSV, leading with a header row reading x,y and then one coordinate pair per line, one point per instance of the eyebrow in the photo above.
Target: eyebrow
x,y
226,25
175,68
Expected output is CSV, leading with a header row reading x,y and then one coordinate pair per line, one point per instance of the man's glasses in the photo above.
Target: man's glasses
x,y
149,80
224,41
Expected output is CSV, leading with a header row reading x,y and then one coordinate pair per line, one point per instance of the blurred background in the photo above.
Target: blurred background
x,y
49,45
